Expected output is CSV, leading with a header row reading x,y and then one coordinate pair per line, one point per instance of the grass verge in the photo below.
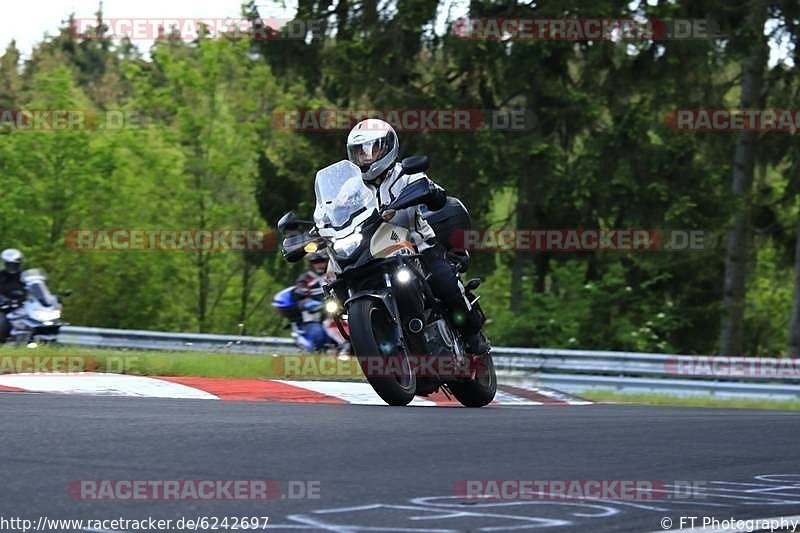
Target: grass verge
x,y
158,363
690,401
226,365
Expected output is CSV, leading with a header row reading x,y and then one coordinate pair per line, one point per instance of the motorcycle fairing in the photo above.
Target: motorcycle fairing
x,y
390,240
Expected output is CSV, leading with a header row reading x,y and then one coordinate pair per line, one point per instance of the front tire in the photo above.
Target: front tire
x,y
481,388
372,334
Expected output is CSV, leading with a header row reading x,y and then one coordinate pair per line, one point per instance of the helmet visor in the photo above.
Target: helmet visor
x,y
365,153
13,267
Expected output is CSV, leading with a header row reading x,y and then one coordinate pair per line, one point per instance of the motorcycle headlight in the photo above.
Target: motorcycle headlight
x,y
332,307
403,275
44,315
347,245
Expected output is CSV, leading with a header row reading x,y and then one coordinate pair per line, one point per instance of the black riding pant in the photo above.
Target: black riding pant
x,y
446,287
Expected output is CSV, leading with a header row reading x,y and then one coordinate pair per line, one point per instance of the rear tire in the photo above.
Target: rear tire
x,y
479,390
372,334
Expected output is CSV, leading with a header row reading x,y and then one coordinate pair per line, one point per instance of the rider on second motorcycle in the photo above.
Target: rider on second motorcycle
x,y
12,289
309,286
373,146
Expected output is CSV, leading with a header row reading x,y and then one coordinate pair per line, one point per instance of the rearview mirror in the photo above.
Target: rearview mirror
x,y
294,246
415,164
288,222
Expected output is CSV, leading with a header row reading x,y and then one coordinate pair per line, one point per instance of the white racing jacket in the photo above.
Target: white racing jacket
x,y
420,232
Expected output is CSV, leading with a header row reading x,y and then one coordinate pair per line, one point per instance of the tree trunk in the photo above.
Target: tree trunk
x,y
525,219
794,321
201,262
793,348
738,239
245,295
516,291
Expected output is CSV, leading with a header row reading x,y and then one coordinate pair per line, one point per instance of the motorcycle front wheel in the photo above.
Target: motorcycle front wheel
x,y
481,388
374,341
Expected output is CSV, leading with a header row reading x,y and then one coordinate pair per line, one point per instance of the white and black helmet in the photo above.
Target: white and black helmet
x,y
372,145
12,260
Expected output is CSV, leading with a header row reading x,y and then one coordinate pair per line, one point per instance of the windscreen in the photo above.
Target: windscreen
x,y
341,194
34,280
39,290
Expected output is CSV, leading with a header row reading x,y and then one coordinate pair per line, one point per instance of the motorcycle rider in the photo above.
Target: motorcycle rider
x,y
309,286
12,290
373,146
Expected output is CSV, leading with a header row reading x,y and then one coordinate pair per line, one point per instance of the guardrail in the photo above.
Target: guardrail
x,y
569,370
159,340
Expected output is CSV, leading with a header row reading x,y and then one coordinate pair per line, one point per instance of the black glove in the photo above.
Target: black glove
x,y
418,192
436,199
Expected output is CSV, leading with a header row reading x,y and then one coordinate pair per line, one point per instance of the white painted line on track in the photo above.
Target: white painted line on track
x,y
352,392
103,385
505,398
358,393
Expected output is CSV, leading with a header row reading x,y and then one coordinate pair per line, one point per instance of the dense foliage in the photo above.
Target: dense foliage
x,y
207,154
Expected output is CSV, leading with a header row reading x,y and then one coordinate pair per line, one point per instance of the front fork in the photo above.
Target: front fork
x,y
328,293
414,308
394,310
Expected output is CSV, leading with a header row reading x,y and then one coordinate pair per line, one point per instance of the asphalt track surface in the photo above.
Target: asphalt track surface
x,y
394,469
